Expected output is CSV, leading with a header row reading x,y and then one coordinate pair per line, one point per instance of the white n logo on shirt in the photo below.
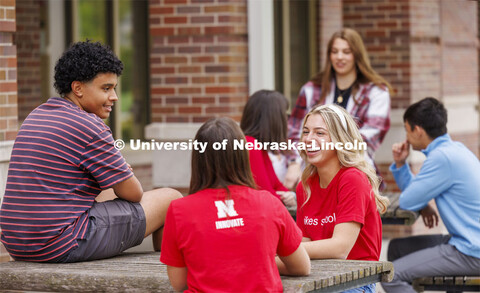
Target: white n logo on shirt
x,y
225,208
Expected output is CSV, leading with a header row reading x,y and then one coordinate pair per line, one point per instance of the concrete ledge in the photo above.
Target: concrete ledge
x,y
171,131
5,150
171,168
140,272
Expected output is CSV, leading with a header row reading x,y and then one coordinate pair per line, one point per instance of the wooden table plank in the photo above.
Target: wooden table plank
x,y
395,215
142,272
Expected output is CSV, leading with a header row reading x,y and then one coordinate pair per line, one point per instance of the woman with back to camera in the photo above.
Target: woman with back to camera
x,y
223,237
347,80
338,199
264,119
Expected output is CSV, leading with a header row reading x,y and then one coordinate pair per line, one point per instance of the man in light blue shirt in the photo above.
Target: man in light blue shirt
x,y
451,176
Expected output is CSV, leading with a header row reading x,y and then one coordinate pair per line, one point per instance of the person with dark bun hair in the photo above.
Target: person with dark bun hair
x,y
451,176
70,195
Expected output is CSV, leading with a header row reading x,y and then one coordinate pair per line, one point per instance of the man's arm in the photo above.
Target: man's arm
x,y
129,189
432,180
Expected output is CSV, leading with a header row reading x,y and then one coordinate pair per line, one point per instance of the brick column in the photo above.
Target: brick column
x,y
384,27
330,21
198,70
8,93
459,74
27,39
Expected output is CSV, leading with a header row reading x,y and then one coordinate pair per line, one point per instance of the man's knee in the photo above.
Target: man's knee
x,y
164,194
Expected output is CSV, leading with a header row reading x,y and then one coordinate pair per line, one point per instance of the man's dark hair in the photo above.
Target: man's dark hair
x,y
82,62
430,115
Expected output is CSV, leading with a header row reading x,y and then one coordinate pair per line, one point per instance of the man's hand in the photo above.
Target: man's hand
x,y
400,152
429,216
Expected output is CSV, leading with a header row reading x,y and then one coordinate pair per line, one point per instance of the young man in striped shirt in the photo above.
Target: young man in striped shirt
x,y
63,158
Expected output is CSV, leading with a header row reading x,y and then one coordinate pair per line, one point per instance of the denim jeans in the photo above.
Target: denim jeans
x,y
365,289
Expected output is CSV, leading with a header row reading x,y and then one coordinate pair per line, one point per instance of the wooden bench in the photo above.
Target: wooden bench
x,y
143,272
395,215
448,283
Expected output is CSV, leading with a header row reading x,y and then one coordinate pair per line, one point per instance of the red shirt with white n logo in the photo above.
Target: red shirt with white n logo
x,y
229,243
348,198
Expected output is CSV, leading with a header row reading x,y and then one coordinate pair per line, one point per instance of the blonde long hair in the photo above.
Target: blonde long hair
x,y
365,72
347,158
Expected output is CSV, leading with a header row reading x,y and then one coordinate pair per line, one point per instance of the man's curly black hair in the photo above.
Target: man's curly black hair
x,y
82,62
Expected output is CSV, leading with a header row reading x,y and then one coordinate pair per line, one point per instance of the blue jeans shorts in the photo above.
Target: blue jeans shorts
x,y
113,226
365,289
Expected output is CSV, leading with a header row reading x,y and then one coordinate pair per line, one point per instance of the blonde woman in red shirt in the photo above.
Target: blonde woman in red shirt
x,y
338,198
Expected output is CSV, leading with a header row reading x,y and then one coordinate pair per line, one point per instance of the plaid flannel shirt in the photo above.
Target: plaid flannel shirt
x,y
370,109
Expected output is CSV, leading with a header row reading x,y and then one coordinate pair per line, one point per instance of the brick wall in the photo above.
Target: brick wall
x,y
143,173
8,90
388,177
384,26
27,39
425,48
198,59
329,22
8,71
470,140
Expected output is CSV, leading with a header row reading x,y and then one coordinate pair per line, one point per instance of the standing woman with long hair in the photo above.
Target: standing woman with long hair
x,y
215,236
349,81
338,200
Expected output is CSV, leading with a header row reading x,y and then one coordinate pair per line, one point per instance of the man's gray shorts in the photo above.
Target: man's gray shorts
x,y
113,226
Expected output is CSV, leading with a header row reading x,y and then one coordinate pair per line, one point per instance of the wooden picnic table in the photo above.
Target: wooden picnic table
x,y
395,215
143,272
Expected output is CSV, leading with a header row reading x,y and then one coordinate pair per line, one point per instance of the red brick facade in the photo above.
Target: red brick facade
x,y
385,27
27,39
8,71
198,59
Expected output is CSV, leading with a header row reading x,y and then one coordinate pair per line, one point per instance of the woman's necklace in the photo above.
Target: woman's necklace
x,y
342,95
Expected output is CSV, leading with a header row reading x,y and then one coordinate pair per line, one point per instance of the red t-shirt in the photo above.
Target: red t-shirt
x,y
262,170
348,198
229,244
